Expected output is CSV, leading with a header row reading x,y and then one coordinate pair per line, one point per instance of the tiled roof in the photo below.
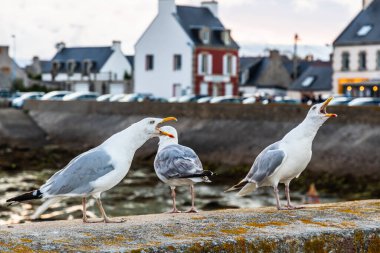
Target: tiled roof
x,y
192,19
98,55
317,77
369,16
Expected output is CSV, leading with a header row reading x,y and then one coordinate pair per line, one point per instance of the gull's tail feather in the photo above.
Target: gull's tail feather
x,y
248,188
203,177
41,209
36,194
238,186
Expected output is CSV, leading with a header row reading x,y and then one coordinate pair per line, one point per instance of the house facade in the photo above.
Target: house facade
x,y
9,70
100,69
186,50
264,75
356,57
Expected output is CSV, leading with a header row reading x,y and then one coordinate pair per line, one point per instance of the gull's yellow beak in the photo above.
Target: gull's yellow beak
x,y
165,133
166,120
324,106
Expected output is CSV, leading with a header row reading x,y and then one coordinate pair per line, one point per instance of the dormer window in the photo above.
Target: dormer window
x,y
87,66
226,37
71,64
205,35
308,81
364,30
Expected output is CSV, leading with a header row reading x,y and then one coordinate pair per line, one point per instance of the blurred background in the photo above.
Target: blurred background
x,y
238,75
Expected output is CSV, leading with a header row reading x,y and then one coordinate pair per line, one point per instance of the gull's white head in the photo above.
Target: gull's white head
x,y
151,126
318,112
166,140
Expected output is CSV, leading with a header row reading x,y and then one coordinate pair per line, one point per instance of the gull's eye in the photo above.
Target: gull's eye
x,y
314,107
151,122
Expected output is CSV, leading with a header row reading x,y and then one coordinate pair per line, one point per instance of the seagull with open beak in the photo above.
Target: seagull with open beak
x,y
286,159
98,169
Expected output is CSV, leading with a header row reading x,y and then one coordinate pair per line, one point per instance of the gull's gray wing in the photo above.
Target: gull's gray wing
x,y
177,161
76,177
266,163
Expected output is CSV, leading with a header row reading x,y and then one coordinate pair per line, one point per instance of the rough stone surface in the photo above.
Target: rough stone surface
x,y
338,227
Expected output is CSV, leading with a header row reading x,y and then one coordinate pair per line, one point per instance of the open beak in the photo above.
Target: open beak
x,y
324,106
163,121
168,119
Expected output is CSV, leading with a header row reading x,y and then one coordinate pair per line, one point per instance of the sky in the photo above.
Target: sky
x,y
257,25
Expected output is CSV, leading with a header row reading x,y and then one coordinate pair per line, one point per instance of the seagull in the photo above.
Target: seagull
x,y
178,165
98,169
284,160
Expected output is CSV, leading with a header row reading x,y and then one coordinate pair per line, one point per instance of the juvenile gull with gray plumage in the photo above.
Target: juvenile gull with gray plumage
x,y
284,160
178,165
98,169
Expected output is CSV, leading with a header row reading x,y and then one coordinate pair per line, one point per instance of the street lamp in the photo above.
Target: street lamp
x,y
13,62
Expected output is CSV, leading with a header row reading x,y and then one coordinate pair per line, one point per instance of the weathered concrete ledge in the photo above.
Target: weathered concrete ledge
x,y
338,227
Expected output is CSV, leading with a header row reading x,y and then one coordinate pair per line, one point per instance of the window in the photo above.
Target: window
x,y
229,64
177,62
149,62
205,35
378,60
71,67
87,66
308,81
362,60
204,63
226,37
364,30
345,61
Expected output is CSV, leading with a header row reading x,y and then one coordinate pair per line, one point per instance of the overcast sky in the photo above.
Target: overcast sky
x,y
256,24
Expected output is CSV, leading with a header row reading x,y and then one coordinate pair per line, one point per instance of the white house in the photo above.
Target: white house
x,y
356,58
100,69
186,50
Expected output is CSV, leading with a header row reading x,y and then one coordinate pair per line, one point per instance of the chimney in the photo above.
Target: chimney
x,y
366,3
116,45
166,7
4,51
60,45
274,54
212,6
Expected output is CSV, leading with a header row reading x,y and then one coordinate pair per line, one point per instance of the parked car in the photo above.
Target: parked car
x,y
340,101
117,97
20,101
104,98
137,97
226,99
81,96
204,100
173,100
55,95
250,100
365,102
189,98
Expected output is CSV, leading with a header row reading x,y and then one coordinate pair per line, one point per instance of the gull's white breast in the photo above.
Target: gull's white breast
x,y
298,155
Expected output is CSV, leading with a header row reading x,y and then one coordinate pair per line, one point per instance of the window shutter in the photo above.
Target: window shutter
x,y
199,63
225,58
234,65
209,64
